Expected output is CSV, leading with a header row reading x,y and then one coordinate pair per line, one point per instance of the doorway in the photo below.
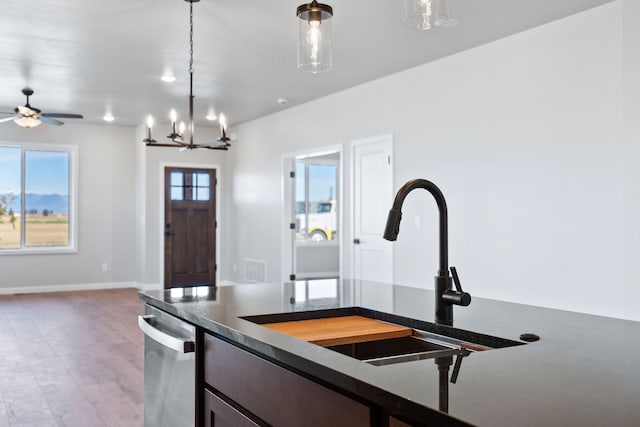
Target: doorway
x,y
314,199
372,166
189,227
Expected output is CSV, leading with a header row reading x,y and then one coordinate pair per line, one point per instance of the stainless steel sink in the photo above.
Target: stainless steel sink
x,y
421,345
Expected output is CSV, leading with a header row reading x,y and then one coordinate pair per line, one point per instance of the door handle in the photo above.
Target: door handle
x,y
356,241
177,344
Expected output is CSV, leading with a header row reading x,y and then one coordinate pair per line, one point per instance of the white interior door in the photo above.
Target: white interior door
x,y
373,197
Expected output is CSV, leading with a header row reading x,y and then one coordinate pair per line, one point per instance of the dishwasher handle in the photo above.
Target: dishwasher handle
x,y
177,344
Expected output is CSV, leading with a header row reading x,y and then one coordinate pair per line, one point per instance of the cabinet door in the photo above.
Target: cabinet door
x,y
218,413
274,394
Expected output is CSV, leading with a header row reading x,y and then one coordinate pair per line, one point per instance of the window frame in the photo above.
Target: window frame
x,y
72,151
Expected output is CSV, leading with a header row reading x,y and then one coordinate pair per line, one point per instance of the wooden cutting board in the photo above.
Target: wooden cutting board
x,y
340,330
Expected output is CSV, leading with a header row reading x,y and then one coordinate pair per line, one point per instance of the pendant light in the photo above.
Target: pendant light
x,y
177,131
428,14
314,37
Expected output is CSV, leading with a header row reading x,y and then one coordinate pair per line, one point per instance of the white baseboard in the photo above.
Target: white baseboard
x,y
149,286
317,275
159,287
229,283
67,288
91,287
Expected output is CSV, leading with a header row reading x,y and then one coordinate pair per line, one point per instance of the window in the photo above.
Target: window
x,y
36,198
194,186
316,181
177,186
200,190
324,207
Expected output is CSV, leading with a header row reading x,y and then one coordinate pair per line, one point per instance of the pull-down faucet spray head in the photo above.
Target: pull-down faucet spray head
x,y
392,229
395,215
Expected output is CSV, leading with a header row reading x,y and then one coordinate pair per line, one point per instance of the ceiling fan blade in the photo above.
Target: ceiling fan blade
x,y
49,120
62,115
8,119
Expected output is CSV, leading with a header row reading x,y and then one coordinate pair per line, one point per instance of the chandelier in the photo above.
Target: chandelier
x,y
177,131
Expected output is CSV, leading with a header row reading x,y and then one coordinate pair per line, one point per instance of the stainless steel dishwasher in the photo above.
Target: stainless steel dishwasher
x,y
169,370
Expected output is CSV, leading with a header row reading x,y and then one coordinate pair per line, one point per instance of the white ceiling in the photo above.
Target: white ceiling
x,y
91,56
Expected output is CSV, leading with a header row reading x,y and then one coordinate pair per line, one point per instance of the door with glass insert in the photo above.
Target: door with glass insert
x,y
190,227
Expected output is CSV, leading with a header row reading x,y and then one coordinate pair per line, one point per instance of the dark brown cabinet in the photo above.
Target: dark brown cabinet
x,y
220,414
272,393
394,422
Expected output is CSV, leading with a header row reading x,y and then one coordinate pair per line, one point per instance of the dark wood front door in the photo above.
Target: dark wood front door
x,y
190,227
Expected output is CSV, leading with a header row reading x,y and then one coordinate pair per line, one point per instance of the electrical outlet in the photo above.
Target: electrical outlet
x,y
418,221
235,267
105,266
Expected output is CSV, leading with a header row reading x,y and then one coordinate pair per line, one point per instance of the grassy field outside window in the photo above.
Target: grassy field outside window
x,y
36,198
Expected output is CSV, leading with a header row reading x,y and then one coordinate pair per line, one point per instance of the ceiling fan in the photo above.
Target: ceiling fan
x,y
28,116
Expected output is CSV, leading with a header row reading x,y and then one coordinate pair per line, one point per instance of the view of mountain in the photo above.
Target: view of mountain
x,y
55,203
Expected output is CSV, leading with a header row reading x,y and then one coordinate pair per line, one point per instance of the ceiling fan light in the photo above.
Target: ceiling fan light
x,y
428,14
27,122
314,37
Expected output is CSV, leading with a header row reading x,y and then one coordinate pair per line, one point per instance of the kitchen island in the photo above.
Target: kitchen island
x,y
583,370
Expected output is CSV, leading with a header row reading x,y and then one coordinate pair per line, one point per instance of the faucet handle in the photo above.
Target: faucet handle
x,y
456,279
457,297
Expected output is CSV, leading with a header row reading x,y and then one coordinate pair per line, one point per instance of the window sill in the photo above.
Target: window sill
x,y
39,251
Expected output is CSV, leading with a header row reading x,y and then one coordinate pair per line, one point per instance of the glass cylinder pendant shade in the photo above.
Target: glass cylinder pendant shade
x,y
314,37
427,14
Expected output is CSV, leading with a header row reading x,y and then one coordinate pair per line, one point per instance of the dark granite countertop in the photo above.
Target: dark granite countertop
x,y
585,370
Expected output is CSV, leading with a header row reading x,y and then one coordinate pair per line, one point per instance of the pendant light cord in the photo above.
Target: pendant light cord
x,y
191,125
190,37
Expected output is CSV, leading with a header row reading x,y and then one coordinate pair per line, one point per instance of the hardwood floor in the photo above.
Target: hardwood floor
x,y
71,359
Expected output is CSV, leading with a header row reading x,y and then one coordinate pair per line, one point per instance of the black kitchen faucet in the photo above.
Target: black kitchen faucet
x,y
446,296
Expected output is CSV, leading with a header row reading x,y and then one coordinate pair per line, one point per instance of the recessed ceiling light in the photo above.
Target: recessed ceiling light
x,y
168,77
211,115
108,117
283,101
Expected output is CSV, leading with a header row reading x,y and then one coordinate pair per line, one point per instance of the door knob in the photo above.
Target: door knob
x,y
356,241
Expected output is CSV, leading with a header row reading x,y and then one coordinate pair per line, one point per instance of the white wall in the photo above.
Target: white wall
x,y
317,260
524,136
532,138
106,210
119,209
631,93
